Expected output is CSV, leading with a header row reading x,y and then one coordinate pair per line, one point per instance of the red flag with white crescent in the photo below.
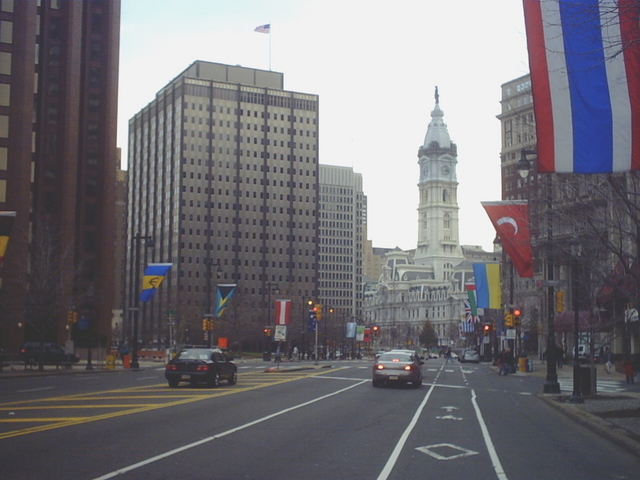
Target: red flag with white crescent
x,y
511,220
283,312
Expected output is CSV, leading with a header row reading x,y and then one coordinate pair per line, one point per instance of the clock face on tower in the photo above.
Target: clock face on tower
x,y
446,170
425,172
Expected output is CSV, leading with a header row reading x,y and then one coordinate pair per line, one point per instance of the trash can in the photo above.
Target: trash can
x,y
522,364
110,362
126,361
585,380
266,356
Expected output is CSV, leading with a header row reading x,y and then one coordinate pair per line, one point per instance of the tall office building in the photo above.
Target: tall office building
x,y
58,97
224,181
342,235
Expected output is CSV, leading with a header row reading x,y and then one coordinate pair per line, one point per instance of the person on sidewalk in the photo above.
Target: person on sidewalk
x,y
607,359
504,362
627,366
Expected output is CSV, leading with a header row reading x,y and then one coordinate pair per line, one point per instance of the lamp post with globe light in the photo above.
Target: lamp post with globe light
x,y
551,385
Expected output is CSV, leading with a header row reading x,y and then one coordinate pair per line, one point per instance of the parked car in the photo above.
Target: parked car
x,y
201,365
470,356
397,367
36,353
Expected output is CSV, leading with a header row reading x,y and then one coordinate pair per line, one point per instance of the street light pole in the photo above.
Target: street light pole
x,y
269,311
551,385
210,313
576,396
134,297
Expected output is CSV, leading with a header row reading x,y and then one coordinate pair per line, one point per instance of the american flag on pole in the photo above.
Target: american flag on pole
x,y
584,58
283,312
263,28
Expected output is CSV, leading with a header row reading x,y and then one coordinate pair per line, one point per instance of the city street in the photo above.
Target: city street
x,y
318,423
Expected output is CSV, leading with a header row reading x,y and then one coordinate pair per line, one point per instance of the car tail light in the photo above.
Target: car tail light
x,y
408,367
24,350
379,367
171,367
202,368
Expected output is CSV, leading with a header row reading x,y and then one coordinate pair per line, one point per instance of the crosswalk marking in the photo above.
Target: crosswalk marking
x,y
566,385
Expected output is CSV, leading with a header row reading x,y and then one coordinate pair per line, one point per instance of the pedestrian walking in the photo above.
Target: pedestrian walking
x,y
278,356
560,356
627,366
447,355
607,359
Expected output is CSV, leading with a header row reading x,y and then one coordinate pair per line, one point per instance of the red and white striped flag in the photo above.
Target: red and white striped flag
x,y
283,312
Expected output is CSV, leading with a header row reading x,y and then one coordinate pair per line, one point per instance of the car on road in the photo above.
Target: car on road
x,y
397,367
201,365
46,353
470,356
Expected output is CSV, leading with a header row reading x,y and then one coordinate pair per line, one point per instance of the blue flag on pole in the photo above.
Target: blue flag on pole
x,y
153,276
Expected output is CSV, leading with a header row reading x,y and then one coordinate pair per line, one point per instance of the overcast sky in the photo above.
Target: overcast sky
x,y
374,65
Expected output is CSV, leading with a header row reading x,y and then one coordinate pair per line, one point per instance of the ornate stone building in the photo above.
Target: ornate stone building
x,y
427,283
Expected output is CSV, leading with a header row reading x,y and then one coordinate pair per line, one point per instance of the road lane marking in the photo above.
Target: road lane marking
x,y
223,434
35,390
428,450
384,474
448,417
137,408
495,461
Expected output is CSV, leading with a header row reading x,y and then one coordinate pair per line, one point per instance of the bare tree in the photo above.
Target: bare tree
x,y
53,271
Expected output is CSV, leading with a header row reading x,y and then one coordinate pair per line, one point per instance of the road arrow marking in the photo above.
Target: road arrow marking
x,y
448,417
429,451
450,409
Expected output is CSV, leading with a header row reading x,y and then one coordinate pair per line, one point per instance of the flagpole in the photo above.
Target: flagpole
x,y
269,46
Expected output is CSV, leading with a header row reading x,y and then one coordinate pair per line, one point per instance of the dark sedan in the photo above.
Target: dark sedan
x,y
201,365
397,367
37,353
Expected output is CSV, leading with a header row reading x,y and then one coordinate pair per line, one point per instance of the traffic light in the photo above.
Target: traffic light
x,y
72,316
559,301
486,328
318,310
267,331
517,316
207,324
508,319
376,330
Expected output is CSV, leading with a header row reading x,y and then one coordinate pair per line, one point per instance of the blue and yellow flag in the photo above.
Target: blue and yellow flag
x,y
225,292
153,276
6,222
488,289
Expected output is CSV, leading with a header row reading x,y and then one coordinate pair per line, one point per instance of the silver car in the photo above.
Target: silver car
x,y
470,356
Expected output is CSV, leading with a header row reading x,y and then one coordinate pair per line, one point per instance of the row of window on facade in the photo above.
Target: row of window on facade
x,y
289,102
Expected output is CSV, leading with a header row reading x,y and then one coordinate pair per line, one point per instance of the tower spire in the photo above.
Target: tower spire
x,y
437,95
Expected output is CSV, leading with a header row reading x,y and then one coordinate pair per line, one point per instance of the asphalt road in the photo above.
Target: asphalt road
x,y
327,423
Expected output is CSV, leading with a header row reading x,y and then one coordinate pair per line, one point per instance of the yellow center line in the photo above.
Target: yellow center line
x,y
138,408
43,420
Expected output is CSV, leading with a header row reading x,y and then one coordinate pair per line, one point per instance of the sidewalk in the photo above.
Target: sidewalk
x,y
612,414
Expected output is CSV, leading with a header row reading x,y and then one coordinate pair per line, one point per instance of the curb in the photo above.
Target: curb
x,y
617,435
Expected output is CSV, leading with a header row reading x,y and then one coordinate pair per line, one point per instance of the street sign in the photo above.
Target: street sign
x,y
281,333
511,333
